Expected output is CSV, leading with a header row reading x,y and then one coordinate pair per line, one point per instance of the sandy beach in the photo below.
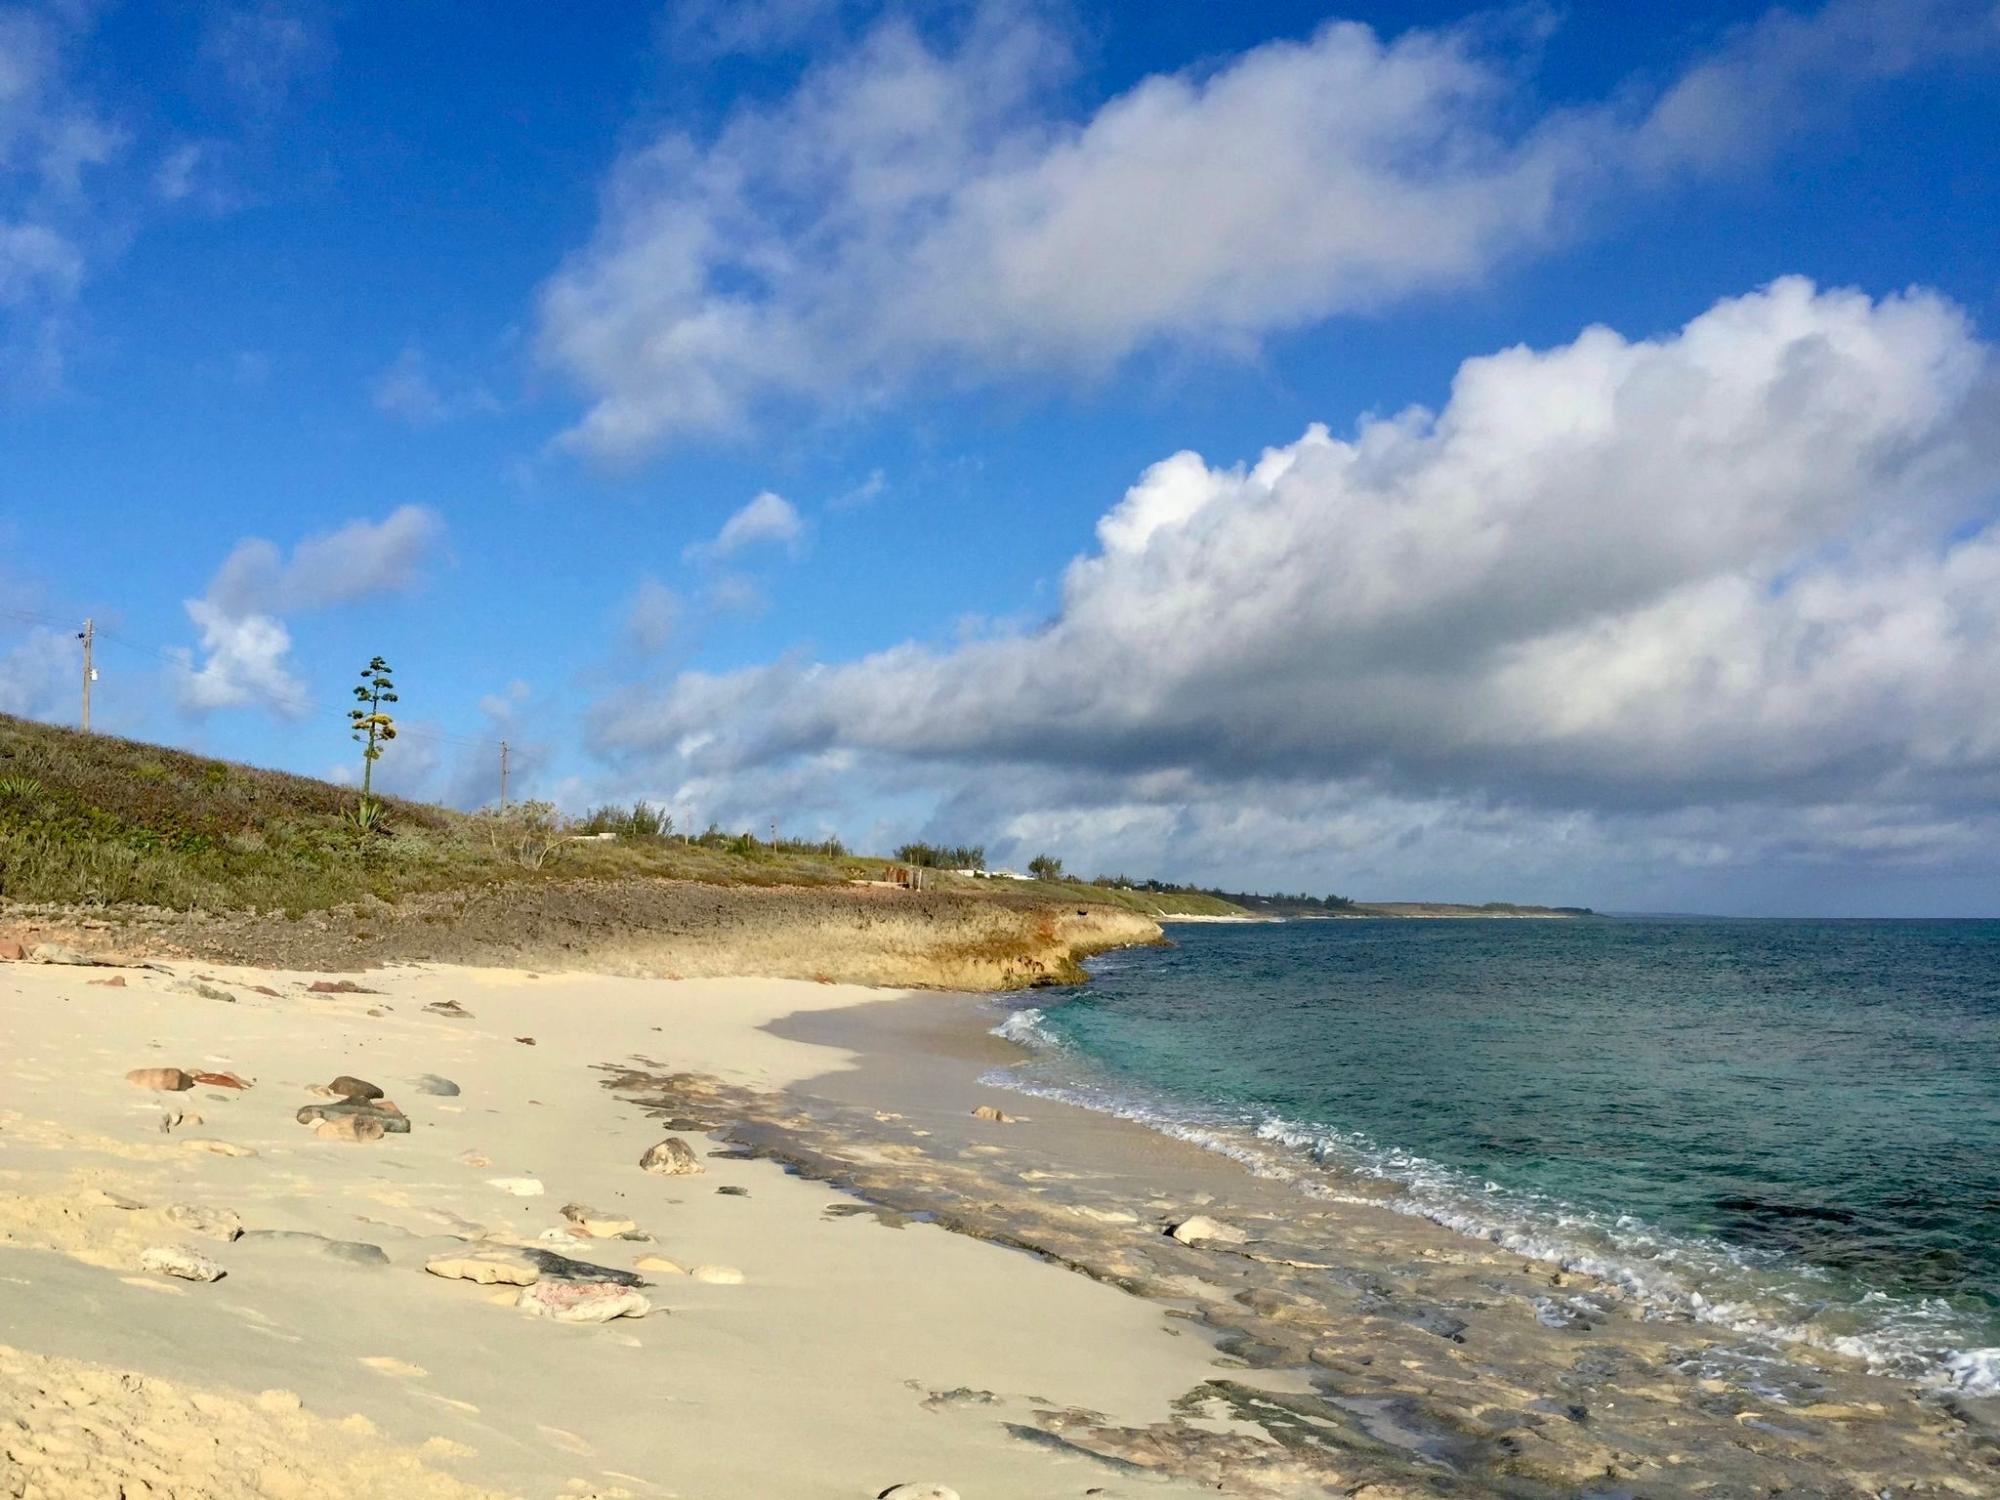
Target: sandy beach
x,y
836,1304
849,1357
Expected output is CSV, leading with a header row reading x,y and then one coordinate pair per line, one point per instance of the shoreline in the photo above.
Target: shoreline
x,y
881,1331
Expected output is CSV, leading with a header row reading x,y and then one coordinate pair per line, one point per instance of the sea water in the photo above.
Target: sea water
x,y
1789,1128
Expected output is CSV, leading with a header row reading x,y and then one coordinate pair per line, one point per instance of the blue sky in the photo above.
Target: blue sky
x,y
461,335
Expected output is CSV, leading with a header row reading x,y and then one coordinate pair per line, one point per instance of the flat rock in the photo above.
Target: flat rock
x,y
1202,1228
390,1120
349,1128
354,1252
430,1083
202,991
671,1158
659,1265
347,1086
559,1267
223,1224
222,1080
583,1301
718,1275
449,1008
178,1260
60,953
487,1270
338,987
168,1080
595,1223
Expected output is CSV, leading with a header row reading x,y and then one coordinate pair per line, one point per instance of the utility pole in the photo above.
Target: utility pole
x,y
88,635
503,776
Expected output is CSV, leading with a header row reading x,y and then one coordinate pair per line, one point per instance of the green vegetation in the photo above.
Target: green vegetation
x,y
95,820
373,729
1045,867
943,856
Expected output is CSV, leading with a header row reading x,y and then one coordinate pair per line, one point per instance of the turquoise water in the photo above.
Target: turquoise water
x,y
1790,1128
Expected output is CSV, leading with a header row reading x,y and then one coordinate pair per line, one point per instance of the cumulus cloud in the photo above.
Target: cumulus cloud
x,y
922,205
409,391
244,642
1749,564
38,673
768,520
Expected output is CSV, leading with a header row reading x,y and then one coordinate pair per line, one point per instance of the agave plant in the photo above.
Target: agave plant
x,y
20,789
369,818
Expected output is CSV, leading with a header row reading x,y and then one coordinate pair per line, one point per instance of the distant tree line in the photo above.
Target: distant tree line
x,y
943,856
1275,902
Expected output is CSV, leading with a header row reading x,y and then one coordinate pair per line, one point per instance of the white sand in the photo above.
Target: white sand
x,y
809,1378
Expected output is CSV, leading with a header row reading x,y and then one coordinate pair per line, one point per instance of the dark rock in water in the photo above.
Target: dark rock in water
x,y
430,1083
392,1124
354,1252
734,1192
350,1087
564,1268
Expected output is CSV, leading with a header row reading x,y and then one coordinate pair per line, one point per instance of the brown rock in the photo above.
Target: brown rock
x,y
11,951
338,987
486,1269
988,1112
115,982
349,1087
169,1080
222,1080
595,1224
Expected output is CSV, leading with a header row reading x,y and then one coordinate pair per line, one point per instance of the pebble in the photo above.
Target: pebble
x,y
216,1223
347,1086
583,1301
487,1270
925,1491
169,1080
178,1260
718,1275
430,1083
520,1187
595,1223
1201,1227
671,1158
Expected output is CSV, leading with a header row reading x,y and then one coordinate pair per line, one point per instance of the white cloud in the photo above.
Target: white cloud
x,y
651,617
243,664
768,520
408,391
1751,564
261,53
244,643
918,207
38,674
53,143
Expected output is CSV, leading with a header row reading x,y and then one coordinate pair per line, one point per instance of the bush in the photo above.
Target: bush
x,y
1045,867
944,856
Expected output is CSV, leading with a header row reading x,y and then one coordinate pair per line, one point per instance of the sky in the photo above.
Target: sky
x,y
1414,451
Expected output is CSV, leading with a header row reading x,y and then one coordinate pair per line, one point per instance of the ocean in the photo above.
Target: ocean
x,y
1790,1128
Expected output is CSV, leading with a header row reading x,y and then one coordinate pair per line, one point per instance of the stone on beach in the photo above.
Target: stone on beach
x,y
595,1222
485,1269
178,1260
390,1119
671,1158
1201,1227
431,1083
167,1080
349,1128
60,953
346,1086
583,1301
115,982
222,1080
998,1117
215,1223
718,1275
11,951
338,987
924,1491
659,1265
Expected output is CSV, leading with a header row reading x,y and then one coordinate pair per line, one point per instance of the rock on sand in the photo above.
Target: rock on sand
x,y
924,1491
168,1080
1201,1227
487,1270
583,1301
671,1158
178,1260
596,1223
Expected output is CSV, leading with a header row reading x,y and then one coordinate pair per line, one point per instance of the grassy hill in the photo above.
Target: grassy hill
x,y
97,820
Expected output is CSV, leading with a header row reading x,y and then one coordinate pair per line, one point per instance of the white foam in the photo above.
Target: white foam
x,y
1667,1275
